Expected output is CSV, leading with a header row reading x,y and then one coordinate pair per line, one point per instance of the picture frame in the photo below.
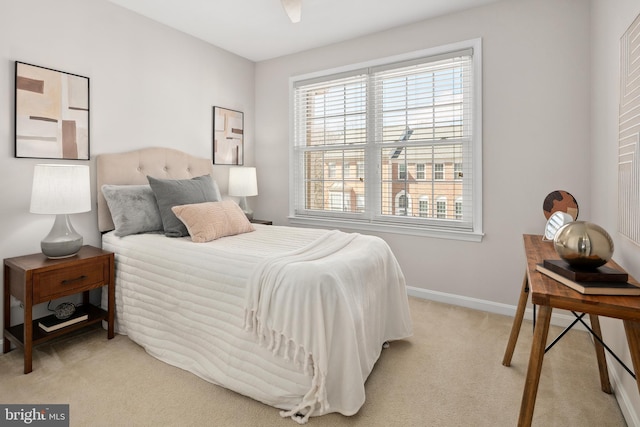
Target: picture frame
x,y
628,135
51,113
228,136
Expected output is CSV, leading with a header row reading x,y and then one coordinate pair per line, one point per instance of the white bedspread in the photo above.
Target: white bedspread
x,y
326,311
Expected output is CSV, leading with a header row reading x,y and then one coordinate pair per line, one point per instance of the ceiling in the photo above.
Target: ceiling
x,y
260,29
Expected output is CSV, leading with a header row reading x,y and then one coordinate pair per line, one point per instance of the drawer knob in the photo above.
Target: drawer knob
x,y
70,281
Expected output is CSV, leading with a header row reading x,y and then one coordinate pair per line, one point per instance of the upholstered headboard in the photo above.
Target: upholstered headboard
x,y
134,166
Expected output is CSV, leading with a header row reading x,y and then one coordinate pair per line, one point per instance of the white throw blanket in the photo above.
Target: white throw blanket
x,y
322,307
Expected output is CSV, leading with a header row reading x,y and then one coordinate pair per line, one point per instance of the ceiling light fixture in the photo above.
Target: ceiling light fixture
x,y
293,9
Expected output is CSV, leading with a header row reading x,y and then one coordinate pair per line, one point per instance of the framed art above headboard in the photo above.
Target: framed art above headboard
x,y
51,113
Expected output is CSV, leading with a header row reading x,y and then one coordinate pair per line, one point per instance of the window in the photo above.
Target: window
x,y
423,205
359,202
458,208
340,200
441,207
331,170
406,123
402,171
438,171
335,201
403,204
457,171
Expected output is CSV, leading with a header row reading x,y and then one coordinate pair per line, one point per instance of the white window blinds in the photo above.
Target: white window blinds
x,y
377,138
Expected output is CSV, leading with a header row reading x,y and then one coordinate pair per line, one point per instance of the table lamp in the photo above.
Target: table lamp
x,y
243,183
61,190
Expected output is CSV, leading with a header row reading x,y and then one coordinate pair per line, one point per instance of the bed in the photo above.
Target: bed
x,y
293,317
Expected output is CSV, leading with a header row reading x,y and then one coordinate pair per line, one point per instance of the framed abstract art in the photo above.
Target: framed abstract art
x,y
228,137
629,135
51,113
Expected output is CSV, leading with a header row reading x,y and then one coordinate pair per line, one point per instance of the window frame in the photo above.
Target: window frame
x,y
457,172
457,207
332,170
401,210
441,201
359,222
402,171
438,171
423,212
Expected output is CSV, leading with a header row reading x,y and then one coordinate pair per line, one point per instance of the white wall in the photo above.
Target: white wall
x,y
551,85
149,86
153,86
536,133
609,20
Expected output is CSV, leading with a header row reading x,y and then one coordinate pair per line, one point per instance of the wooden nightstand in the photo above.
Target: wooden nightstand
x,y
34,279
261,221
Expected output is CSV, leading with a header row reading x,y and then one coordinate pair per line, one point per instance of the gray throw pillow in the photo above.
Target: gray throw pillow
x,y
133,209
176,192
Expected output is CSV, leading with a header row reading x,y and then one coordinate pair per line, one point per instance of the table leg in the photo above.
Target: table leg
x,y
535,365
111,300
517,321
605,385
632,329
6,310
28,337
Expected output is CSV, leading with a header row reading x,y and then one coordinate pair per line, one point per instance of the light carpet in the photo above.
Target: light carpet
x,y
449,373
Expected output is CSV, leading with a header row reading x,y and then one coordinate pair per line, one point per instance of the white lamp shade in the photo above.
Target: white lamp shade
x,y
61,189
243,182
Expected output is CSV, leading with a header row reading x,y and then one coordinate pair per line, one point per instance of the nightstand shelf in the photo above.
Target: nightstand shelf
x,y
16,333
35,279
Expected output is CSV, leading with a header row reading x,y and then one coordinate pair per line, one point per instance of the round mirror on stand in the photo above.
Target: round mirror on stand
x,y
554,223
560,200
560,208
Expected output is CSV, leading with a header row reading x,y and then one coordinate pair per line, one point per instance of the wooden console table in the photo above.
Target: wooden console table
x,y
549,294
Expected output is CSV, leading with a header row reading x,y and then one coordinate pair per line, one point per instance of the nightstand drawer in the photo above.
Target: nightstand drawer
x,y
48,285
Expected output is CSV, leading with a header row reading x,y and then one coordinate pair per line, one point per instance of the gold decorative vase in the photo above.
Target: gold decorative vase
x,y
583,244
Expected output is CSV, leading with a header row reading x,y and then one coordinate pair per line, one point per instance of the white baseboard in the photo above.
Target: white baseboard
x,y
558,319
629,412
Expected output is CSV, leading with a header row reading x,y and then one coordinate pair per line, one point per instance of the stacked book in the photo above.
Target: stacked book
x,y
600,281
52,323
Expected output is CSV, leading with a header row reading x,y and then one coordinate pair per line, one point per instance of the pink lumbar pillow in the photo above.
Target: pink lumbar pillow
x,y
212,220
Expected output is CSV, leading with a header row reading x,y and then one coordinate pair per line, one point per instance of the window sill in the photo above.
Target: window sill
x,y
387,228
